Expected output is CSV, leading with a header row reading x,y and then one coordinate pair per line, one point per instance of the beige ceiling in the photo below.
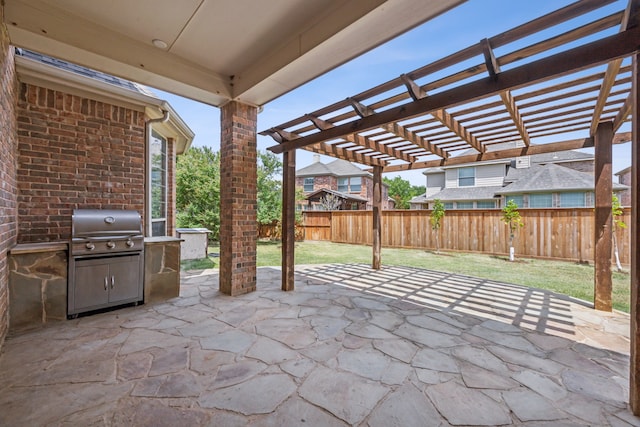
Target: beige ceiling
x,y
248,50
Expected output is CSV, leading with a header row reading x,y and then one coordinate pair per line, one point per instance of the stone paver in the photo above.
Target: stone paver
x,y
452,350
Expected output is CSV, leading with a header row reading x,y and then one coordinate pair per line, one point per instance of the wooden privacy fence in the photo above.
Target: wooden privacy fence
x,y
566,234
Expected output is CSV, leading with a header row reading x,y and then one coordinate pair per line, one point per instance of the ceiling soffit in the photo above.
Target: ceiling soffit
x,y
216,50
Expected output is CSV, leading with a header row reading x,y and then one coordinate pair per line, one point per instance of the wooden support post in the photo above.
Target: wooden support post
x,y
288,219
377,228
634,362
603,219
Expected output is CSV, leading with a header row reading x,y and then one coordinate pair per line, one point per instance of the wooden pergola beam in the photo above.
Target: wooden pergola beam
x,y
514,113
607,84
573,144
629,20
398,130
334,150
457,128
623,113
590,54
363,141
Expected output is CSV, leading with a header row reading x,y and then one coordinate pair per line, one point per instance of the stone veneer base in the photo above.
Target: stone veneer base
x,y
38,275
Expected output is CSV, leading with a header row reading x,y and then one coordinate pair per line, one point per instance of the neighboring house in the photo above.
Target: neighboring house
x,y
624,178
341,180
562,180
86,139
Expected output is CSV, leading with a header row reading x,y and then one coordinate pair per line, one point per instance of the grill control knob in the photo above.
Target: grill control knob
x,y
129,243
90,246
111,245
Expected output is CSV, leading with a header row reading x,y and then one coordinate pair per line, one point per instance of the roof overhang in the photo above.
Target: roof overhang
x,y
216,50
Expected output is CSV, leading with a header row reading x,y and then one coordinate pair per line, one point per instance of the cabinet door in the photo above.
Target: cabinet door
x,y
124,278
91,284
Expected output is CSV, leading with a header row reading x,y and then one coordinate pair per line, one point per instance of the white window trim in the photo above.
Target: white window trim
x,y
149,178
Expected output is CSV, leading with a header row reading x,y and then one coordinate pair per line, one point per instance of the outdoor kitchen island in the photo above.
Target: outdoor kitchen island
x,y
38,275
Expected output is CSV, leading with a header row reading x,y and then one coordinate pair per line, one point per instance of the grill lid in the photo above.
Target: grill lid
x,y
87,223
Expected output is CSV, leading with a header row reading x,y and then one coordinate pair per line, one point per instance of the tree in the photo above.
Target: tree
x,y
330,202
401,191
269,188
435,218
198,190
511,217
616,212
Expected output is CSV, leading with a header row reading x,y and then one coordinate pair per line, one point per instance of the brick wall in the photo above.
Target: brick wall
x,y
8,190
624,197
74,152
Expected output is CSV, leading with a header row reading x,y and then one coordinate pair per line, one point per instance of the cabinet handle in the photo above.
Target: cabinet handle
x,y
113,281
105,283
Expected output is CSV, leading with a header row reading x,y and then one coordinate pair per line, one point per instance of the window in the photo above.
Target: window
x,y
355,184
543,200
465,205
572,200
308,185
484,204
518,199
158,184
343,185
466,177
448,205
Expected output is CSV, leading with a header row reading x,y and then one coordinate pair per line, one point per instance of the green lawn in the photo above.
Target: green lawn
x,y
564,277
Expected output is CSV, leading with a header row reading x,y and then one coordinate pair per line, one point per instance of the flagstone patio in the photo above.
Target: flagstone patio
x,y
350,346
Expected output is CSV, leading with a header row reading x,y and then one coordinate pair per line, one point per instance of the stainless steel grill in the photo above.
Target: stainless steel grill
x,y
106,260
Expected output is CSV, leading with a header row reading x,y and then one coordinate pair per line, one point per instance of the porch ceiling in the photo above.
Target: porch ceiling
x,y
538,81
216,50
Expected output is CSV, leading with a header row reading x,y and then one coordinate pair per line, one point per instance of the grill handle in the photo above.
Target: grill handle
x,y
105,283
113,281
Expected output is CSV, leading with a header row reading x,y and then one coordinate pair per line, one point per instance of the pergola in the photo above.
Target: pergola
x,y
582,81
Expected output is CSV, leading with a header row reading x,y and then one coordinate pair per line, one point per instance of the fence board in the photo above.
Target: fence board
x,y
566,234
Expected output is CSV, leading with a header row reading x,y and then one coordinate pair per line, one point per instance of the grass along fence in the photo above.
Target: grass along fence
x,y
565,234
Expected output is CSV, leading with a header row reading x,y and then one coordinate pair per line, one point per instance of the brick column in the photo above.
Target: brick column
x,y
238,198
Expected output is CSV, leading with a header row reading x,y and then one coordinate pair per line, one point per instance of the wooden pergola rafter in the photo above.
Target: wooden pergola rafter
x,y
573,89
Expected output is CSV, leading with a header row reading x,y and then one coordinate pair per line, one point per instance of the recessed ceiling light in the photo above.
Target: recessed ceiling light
x,y
161,44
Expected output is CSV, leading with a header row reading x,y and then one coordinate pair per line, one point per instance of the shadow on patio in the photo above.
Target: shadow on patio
x,y
350,346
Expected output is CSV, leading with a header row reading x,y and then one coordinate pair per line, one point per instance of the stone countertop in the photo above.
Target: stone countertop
x,y
160,240
31,248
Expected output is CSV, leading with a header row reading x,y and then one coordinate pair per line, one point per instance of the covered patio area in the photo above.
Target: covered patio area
x,y
399,346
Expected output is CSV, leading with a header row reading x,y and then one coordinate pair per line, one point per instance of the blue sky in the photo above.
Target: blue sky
x,y
455,30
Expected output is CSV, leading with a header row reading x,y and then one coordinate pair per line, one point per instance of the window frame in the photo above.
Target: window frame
x,y
352,186
563,203
470,178
343,184
164,168
492,202
518,198
305,184
534,198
